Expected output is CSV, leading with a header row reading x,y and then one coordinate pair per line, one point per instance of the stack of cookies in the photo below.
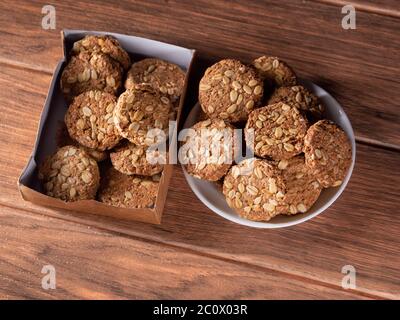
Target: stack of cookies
x,y
105,124
296,152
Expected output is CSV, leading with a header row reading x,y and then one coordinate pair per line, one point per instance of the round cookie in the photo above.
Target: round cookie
x,y
301,98
63,139
95,154
328,153
90,121
230,90
302,188
140,110
120,190
275,72
200,162
162,76
132,159
279,130
255,189
89,72
103,44
70,175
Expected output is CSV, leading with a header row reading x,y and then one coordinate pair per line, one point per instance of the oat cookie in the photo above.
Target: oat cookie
x,y
70,175
275,72
230,90
65,140
301,98
302,188
132,159
90,120
140,110
120,190
103,44
163,76
255,189
204,161
328,153
89,72
95,154
279,131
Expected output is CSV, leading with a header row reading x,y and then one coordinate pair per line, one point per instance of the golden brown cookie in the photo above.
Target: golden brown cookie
x,y
162,76
279,131
302,188
255,189
301,98
209,151
327,151
90,121
275,72
95,154
139,110
90,72
70,175
120,190
64,139
230,90
129,158
103,44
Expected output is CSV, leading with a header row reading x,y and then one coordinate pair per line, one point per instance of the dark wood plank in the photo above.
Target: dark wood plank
x,y
117,267
359,67
360,229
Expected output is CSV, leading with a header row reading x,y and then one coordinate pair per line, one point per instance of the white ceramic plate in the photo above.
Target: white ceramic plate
x,y
209,194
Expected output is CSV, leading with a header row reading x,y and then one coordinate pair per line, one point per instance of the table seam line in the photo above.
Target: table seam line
x,y
361,7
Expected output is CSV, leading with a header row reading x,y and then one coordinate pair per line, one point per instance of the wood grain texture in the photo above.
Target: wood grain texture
x,y
92,264
361,228
382,7
197,254
359,67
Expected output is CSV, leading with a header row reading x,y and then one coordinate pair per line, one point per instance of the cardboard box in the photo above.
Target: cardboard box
x,y
53,114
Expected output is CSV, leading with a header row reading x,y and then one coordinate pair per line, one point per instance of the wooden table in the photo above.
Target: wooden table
x,y
195,253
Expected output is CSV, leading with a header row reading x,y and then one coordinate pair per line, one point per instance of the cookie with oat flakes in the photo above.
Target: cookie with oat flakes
x,y
140,110
278,129
103,44
230,90
301,98
255,189
90,120
162,76
275,72
70,175
302,188
129,158
90,72
121,190
327,151
210,150
64,139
